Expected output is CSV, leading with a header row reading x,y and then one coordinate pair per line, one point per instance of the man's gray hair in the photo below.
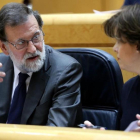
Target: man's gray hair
x,y
13,14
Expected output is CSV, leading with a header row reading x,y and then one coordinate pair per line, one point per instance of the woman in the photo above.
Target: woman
x,y
125,28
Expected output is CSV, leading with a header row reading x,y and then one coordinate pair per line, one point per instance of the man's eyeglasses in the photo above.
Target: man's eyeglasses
x,y
36,39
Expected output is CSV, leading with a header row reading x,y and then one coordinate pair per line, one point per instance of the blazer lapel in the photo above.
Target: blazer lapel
x,y
36,89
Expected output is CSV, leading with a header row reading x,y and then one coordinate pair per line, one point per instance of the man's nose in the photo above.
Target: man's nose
x,y
31,47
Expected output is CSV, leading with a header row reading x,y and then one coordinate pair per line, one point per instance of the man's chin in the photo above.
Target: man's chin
x,y
33,67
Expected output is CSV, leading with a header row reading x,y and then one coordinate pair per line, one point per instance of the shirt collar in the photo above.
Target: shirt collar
x,y
17,71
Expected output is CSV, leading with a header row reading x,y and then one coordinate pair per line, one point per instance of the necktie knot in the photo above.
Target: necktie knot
x,y
23,77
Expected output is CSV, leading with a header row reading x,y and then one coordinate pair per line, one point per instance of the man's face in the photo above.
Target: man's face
x,y
30,58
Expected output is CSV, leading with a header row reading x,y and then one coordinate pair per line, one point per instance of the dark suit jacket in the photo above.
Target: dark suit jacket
x,y
53,96
130,102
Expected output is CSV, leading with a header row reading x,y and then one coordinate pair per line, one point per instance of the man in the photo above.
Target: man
x,y
52,86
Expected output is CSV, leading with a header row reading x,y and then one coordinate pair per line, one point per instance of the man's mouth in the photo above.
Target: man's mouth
x,y
33,58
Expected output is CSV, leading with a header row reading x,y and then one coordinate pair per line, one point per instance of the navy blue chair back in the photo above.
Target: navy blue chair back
x,y
101,86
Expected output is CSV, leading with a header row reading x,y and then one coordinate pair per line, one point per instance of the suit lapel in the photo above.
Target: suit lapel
x,y
36,89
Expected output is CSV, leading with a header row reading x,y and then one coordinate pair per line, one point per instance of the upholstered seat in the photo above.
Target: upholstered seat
x,y
101,86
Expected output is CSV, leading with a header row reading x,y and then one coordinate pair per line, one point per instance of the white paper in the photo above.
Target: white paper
x,y
106,12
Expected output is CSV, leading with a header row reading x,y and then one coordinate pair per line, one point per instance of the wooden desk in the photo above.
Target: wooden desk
x,y
75,6
26,132
75,30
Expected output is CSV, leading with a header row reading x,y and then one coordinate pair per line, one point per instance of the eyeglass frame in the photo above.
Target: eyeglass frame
x,y
26,40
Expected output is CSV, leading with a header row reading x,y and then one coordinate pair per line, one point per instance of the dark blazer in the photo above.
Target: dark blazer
x,y
53,96
130,102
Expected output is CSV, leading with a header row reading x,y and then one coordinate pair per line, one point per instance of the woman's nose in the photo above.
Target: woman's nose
x,y
115,49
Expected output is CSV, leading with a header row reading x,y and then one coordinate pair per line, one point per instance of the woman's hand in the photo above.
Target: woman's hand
x,y
88,124
138,128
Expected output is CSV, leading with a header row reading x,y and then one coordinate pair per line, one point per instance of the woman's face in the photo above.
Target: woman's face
x,y
128,56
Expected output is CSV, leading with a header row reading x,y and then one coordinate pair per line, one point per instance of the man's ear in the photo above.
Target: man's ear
x,y
4,48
